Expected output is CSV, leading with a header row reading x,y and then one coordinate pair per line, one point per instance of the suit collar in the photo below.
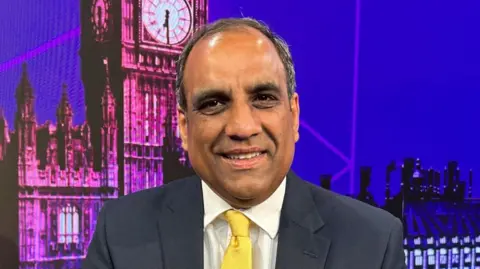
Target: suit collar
x,y
180,224
301,241
299,205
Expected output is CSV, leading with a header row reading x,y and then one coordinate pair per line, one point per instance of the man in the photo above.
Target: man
x,y
239,121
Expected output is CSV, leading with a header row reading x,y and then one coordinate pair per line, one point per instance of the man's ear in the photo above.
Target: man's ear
x,y
183,127
295,108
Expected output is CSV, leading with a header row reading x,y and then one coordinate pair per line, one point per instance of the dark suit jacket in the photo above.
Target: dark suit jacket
x,y
163,228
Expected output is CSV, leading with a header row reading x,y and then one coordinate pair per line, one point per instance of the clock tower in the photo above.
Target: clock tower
x,y
140,40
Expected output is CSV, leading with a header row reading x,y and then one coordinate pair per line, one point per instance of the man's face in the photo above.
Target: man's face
x,y
239,127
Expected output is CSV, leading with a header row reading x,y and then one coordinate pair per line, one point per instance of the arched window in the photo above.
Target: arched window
x,y
68,225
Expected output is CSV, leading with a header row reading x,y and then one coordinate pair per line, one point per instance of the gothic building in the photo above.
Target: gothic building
x,y
51,191
141,40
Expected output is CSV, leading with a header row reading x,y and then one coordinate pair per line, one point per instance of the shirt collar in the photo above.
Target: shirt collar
x,y
266,215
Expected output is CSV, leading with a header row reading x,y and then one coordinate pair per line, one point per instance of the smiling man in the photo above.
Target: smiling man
x,y
239,120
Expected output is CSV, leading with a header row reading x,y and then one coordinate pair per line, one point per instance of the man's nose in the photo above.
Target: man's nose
x,y
243,123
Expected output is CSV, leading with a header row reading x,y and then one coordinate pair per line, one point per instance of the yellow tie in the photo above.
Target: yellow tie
x,y
239,251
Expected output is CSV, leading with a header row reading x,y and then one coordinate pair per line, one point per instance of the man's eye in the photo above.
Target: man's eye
x,y
210,104
265,97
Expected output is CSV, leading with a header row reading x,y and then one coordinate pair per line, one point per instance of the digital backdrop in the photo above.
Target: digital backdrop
x,y
388,93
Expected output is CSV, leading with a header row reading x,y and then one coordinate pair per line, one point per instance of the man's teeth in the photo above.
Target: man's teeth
x,y
244,156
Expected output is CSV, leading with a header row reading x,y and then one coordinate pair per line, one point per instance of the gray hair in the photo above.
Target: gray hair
x,y
228,24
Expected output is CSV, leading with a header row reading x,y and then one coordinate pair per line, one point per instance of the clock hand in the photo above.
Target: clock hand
x,y
166,24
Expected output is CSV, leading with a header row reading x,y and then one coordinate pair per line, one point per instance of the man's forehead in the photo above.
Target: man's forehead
x,y
232,42
236,58
229,38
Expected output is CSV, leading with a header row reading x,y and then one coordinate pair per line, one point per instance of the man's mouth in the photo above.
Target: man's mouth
x,y
243,156
243,159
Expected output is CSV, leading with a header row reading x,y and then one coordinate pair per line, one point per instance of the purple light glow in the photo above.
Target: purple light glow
x,y
355,92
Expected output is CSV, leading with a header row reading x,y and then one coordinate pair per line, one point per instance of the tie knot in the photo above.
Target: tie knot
x,y
239,223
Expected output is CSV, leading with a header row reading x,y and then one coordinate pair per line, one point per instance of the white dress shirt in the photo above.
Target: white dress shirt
x,y
265,219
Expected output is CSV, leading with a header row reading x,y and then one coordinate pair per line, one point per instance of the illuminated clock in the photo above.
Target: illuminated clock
x,y
167,21
100,17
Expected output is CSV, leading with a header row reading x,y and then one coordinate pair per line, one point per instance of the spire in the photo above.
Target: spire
x,y
24,88
169,132
64,94
64,108
107,94
3,121
107,76
108,100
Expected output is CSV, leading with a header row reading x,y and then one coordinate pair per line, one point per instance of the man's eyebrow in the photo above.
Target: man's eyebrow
x,y
267,86
203,94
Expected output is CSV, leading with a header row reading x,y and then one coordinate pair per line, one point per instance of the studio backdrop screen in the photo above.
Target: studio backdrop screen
x,y
389,95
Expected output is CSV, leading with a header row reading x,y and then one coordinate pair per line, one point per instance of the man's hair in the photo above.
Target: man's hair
x,y
224,25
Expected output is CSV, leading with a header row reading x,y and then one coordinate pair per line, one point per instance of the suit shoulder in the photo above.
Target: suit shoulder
x,y
348,210
367,212
145,199
132,219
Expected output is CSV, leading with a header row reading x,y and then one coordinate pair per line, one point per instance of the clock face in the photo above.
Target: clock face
x,y
100,14
167,21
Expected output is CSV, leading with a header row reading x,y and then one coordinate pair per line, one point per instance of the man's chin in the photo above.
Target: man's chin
x,y
246,194
243,202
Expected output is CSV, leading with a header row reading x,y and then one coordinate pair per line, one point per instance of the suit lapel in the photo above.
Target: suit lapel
x,y
301,243
180,225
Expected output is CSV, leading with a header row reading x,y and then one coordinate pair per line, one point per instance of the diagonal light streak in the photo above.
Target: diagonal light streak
x,y
324,141
346,169
40,49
